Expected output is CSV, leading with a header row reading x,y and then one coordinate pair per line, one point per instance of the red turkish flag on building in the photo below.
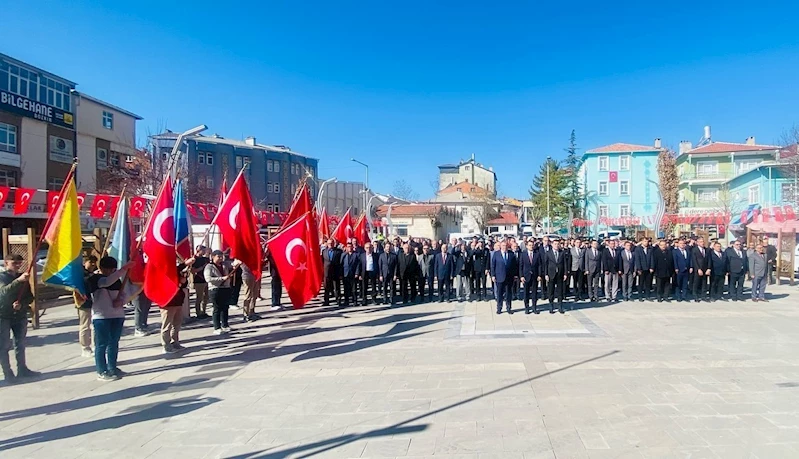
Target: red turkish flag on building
x,y
99,205
191,209
300,205
238,226
361,231
344,230
81,199
4,190
114,205
160,273
203,210
138,205
52,200
22,199
613,176
324,225
295,251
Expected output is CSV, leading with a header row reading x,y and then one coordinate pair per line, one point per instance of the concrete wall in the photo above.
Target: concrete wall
x,y
34,142
90,123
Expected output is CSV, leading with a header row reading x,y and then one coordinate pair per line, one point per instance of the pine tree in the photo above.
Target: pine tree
x,y
558,192
572,165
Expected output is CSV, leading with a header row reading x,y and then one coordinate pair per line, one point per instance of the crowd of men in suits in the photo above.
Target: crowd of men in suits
x,y
530,269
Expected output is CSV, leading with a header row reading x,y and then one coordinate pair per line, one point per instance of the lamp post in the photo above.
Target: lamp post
x,y
549,216
366,184
174,157
319,195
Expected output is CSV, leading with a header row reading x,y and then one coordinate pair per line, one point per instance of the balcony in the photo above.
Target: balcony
x,y
704,177
698,204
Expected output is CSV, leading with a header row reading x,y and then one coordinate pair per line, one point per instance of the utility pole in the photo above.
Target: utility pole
x,y
549,215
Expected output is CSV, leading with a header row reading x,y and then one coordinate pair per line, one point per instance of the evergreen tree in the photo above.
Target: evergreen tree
x,y
558,193
572,165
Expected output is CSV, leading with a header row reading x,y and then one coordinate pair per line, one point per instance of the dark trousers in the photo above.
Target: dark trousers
x,y
479,285
662,287
531,293
681,289
515,289
389,288
593,284
369,284
577,284
349,289
277,290
407,288
555,291
736,287
220,298
19,328
645,284
332,286
700,287
504,293
444,288
106,344
426,282
716,286
141,309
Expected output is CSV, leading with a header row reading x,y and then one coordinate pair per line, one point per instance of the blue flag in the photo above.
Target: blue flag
x,y
183,236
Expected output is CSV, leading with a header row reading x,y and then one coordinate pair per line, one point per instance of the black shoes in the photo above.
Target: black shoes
x,y
27,373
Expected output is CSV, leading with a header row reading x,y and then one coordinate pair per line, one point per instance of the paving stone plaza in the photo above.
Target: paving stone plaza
x,y
451,380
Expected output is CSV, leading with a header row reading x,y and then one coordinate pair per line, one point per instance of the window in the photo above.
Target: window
x,y
624,162
200,158
269,187
55,183
277,166
624,210
8,138
311,171
788,193
754,194
745,165
277,207
164,156
209,182
108,120
277,188
8,178
603,163
128,158
31,85
707,194
624,188
209,159
293,190
293,169
401,230
269,165
241,161
707,168
603,211
603,188
114,159
102,158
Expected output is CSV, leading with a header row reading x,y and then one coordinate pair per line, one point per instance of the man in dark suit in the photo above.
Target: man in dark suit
x,y
663,269
718,271
331,256
683,269
556,268
427,273
479,267
544,247
644,267
592,267
700,262
626,262
504,270
737,267
369,267
351,270
407,271
387,270
530,267
611,268
445,271
576,253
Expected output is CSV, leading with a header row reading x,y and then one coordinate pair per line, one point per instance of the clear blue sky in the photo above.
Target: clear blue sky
x,y
405,89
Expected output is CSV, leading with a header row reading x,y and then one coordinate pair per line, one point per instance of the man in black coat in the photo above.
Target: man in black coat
x,y
369,268
331,262
530,267
591,265
445,271
611,268
644,267
480,262
504,270
351,271
737,266
718,271
387,270
426,260
556,268
663,269
407,268
700,260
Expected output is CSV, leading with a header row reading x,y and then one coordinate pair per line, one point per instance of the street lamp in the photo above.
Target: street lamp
x,y
549,216
319,195
175,155
366,184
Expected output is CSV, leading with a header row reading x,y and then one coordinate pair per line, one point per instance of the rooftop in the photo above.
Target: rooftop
x,y
464,187
217,139
729,147
623,148
411,210
36,69
471,161
107,105
505,218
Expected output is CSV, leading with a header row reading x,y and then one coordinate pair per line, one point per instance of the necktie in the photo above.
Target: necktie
x,y
683,253
644,252
556,256
738,253
702,250
594,250
505,257
628,256
531,257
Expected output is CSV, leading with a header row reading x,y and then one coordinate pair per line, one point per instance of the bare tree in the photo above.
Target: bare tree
x,y
404,191
669,180
789,164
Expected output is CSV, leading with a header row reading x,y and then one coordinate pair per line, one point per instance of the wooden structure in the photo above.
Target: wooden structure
x,y
786,251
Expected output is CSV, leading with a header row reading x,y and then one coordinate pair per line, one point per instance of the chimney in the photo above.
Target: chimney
x,y
657,143
750,140
707,133
684,146
250,141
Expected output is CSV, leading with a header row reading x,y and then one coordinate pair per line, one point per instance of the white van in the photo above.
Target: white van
x,y
613,235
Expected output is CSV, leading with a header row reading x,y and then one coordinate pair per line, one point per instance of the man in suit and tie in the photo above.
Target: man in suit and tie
x,y
556,268
663,264
369,267
480,262
576,271
718,270
737,267
610,265
387,270
331,256
627,270
683,269
504,270
445,272
644,267
407,270
700,261
351,270
758,273
530,275
592,267
426,261
545,247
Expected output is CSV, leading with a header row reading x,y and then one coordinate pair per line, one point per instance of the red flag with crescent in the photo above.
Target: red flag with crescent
x,y
203,210
238,226
301,204
160,272
81,199
138,205
613,177
344,231
3,195
99,206
295,251
324,224
52,200
22,200
191,209
362,231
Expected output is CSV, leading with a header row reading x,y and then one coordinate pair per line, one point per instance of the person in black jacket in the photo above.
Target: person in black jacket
x,y
15,297
663,269
611,268
463,268
407,268
426,261
718,272
700,260
644,266
387,269
350,272
480,262
530,267
369,267
737,267
556,268
331,261
445,271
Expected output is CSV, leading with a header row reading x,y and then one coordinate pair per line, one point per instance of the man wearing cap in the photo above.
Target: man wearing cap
x,y
15,296
198,281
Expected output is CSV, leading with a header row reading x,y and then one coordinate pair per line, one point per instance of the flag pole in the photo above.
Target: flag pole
x,y
113,222
213,220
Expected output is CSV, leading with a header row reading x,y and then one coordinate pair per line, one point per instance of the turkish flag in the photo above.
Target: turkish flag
x,y
300,205
99,205
295,251
238,226
263,217
3,195
343,231
160,273
137,206
613,177
191,209
324,225
81,199
52,200
22,199
114,205
789,213
361,231
203,210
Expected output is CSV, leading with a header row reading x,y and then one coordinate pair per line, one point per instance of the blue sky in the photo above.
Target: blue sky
x,y
405,89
